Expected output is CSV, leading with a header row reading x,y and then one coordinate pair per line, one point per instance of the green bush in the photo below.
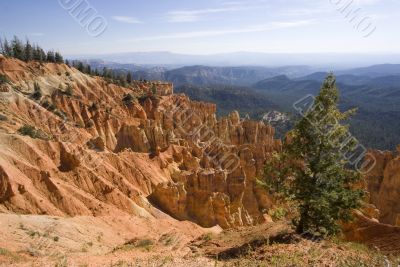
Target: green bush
x,y
277,213
128,99
37,91
60,114
34,133
49,106
69,91
3,79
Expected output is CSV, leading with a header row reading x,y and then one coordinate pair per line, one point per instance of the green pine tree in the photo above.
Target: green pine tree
x,y
311,170
28,51
51,57
58,58
129,78
17,48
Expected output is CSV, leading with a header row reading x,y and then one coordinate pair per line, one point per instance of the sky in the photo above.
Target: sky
x,y
206,26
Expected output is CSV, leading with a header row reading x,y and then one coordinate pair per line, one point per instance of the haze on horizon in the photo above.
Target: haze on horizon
x,y
210,27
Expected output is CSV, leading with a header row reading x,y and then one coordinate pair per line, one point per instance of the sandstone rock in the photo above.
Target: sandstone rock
x,y
384,185
132,137
169,149
68,161
96,144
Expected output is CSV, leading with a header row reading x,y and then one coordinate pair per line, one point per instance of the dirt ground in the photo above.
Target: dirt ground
x,y
28,240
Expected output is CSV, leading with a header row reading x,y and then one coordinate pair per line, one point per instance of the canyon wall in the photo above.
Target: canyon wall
x,y
384,185
98,152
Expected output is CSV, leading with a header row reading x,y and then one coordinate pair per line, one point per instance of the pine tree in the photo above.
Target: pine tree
x,y
129,78
17,48
88,69
311,170
50,57
39,54
58,58
28,51
80,66
7,48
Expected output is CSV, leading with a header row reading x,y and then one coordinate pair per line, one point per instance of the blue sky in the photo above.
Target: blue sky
x,y
210,26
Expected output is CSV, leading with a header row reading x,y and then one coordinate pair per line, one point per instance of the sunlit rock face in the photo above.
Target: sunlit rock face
x,y
112,154
384,186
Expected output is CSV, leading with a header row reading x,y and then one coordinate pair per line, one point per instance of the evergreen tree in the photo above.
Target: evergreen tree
x,y
311,170
39,54
122,79
88,69
80,66
28,51
50,57
129,78
58,58
6,48
17,49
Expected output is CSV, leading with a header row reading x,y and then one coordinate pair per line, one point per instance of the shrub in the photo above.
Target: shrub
x,y
28,130
49,106
154,89
60,114
37,91
277,213
69,90
3,79
207,237
93,107
34,133
3,117
145,244
128,99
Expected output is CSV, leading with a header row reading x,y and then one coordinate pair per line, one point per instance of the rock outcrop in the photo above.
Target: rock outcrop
x,y
384,186
214,181
110,154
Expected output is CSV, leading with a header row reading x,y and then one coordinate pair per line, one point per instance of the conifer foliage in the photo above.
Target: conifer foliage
x,y
25,51
312,171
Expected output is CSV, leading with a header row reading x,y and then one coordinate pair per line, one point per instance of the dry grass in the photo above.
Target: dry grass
x,y
308,253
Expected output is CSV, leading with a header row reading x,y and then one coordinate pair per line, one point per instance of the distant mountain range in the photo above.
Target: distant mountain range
x,y
204,75
376,123
331,61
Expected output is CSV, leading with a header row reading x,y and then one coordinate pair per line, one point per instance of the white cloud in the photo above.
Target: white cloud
x,y
190,15
126,19
36,34
194,15
207,33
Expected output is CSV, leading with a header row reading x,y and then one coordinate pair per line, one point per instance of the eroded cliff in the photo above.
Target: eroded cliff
x,y
105,149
